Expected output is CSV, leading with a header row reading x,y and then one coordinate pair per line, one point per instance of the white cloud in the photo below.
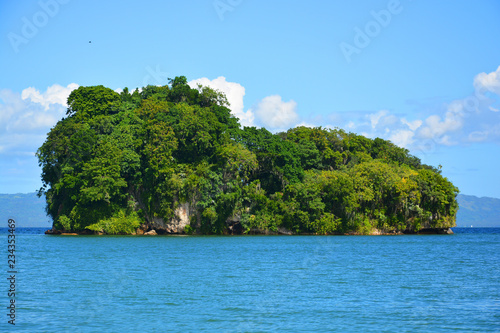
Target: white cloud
x,y
446,140
402,138
26,118
11,103
490,81
271,112
413,125
234,93
274,113
55,94
375,117
33,120
435,127
475,118
305,124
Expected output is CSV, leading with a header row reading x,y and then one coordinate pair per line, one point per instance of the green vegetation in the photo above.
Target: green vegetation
x,y
120,160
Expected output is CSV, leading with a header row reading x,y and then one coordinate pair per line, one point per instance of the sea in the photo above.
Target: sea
x,y
410,283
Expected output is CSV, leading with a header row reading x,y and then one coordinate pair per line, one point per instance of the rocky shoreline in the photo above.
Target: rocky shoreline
x,y
145,231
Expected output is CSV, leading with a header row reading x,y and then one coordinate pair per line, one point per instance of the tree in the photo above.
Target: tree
x,y
88,102
119,160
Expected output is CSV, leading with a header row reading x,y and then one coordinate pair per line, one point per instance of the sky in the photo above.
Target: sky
x,y
423,74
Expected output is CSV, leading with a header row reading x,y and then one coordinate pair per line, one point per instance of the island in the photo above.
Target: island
x,y
174,160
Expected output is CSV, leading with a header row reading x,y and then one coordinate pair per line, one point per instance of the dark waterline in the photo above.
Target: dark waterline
x,y
456,230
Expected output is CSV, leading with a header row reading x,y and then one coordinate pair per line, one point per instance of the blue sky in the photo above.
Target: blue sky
x,y
423,74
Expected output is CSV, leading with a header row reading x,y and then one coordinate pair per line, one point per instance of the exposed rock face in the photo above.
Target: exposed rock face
x,y
234,226
151,233
281,231
284,231
53,231
177,224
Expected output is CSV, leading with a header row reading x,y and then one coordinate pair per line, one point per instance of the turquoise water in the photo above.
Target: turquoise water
x,y
435,283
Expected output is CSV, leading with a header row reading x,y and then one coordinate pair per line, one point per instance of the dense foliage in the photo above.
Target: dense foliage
x,y
121,160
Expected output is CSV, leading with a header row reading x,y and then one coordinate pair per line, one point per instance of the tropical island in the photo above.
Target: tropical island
x,y
173,160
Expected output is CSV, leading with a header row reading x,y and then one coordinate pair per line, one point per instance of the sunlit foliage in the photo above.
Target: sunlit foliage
x,y
120,160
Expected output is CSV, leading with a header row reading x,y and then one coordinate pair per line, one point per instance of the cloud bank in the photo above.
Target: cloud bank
x,y
25,120
55,94
30,113
272,112
472,119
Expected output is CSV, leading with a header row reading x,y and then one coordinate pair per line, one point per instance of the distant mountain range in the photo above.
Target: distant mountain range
x,y
29,211
26,209
478,212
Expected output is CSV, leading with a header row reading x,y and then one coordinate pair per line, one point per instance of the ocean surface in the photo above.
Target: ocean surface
x,y
411,283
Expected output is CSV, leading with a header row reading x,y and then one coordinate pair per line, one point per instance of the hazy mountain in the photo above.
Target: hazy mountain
x,y
478,212
29,211
25,208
